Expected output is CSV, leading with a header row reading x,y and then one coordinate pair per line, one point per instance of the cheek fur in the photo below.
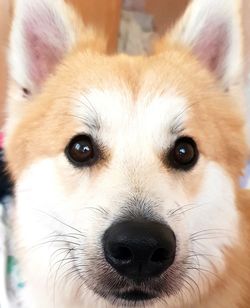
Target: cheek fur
x,y
213,226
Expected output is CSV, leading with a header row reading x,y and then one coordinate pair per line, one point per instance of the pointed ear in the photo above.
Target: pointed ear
x,y
212,30
43,31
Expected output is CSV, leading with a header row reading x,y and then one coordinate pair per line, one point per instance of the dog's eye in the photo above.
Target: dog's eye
x,y
184,155
81,151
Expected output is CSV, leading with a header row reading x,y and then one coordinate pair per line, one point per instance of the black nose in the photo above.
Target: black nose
x,y
139,250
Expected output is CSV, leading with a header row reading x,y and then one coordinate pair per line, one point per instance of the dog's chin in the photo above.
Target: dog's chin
x,y
132,298
135,296
124,293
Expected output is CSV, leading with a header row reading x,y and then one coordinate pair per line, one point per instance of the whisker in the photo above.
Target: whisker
x,y
195,285
206,271
54,241
63,235
58,220
99,209
55,277
183,209
93,121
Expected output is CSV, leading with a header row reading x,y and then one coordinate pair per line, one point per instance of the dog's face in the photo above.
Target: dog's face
x,y
125,168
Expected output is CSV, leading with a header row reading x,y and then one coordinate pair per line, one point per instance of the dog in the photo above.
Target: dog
x,y
126,169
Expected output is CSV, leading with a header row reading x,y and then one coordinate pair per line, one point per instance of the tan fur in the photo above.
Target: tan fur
x,y
221,138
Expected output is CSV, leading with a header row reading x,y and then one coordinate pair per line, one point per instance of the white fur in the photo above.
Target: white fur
x,y
215,209
150,116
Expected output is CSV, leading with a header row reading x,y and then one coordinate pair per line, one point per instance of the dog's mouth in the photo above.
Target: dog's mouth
x,y
135,296
129,293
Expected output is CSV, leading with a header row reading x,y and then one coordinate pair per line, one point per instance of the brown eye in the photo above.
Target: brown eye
x,y
184,155
81,151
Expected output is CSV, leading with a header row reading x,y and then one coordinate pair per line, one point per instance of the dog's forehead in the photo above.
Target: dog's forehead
x,y
118,109
120,91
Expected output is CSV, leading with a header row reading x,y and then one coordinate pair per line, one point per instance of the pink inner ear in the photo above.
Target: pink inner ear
x,y
45,43
212,46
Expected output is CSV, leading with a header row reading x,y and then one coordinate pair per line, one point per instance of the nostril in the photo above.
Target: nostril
x,y
139,249
122,254
160,255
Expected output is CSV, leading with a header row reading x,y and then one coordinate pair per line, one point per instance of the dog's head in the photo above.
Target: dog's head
x,y
126,168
